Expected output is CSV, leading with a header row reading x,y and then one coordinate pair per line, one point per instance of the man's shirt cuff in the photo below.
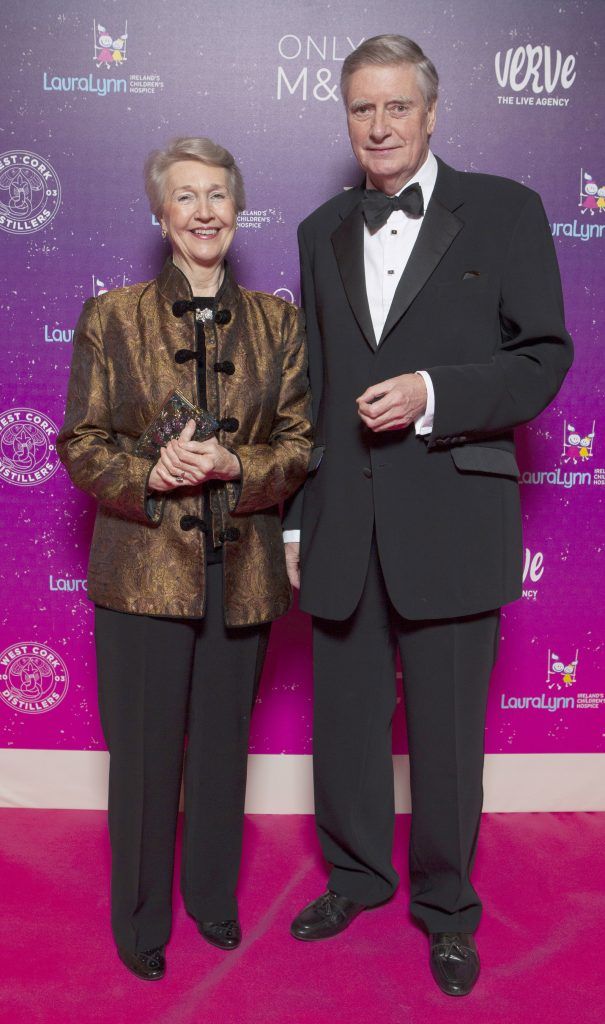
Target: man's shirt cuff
x,y
424,423
291,536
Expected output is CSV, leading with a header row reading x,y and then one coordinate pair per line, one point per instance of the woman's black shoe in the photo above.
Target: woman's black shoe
x,y
223,934
149,965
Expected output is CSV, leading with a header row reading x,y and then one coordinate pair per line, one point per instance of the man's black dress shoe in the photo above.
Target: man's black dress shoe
x,y
454,962
149,965
325,917
224,934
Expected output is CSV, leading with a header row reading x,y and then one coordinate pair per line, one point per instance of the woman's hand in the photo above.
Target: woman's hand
x,y
168,472
165,475
193,462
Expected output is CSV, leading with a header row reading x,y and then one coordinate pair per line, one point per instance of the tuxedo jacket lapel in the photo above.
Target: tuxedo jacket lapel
x,y
347,242
439,229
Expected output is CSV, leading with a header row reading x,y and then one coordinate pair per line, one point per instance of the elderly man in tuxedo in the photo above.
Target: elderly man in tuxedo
x,y
435,326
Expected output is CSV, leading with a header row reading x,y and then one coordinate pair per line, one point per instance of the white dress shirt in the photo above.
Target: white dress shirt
x,y
385,255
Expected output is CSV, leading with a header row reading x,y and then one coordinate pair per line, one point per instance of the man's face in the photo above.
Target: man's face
x,y
389,125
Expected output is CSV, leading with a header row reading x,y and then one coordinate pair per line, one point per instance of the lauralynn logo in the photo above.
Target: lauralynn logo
x,y
560,693
577,447
33,678
534,76
576,455
28,454
592,196
248,220
59,334
109,54
591,201
30,192
100,286
108,51
560,675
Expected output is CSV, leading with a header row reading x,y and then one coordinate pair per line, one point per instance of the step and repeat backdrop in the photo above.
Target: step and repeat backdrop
x,y
88,89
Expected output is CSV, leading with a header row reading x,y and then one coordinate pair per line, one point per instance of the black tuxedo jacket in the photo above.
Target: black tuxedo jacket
x,y
479,306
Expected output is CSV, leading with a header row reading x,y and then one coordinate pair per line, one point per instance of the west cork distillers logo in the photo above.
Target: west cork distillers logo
x,y
109,56
33,678
590,223
575,470
30,193
532,74
28,455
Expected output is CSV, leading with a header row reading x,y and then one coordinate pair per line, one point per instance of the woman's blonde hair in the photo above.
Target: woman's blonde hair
x,y
207,152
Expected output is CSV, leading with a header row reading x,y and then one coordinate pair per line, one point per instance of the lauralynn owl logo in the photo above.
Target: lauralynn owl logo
x,y
590,225
33,678
109,51
28,454
30,192
560,675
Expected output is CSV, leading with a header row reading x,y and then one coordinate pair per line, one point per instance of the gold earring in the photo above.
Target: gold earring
x,y
164,232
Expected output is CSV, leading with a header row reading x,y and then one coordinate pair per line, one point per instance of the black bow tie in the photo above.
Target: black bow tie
x,y
377,208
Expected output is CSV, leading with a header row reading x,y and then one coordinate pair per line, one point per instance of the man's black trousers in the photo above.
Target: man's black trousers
x,y
446,670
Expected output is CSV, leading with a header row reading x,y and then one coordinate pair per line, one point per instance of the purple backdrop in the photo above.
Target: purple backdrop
x,y
90,88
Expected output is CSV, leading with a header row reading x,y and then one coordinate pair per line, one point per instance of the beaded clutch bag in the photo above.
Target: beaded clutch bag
x,y
170,421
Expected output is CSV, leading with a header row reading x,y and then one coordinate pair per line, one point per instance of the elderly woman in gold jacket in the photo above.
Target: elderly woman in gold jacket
x,y
187,562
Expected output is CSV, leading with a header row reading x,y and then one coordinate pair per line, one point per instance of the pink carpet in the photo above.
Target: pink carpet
x,y
541,940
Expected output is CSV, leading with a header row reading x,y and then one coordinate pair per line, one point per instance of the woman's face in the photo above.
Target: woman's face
x,y
199,214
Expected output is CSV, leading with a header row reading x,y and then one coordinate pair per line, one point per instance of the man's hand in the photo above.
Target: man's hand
x,y
393,404
292,550
185,463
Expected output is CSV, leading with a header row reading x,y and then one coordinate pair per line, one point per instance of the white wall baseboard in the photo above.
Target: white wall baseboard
x,y
282,783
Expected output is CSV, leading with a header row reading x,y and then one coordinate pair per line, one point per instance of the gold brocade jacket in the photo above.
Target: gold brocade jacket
x,y
144,559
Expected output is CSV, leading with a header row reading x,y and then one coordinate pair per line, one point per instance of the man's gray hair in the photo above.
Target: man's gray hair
x,y
202,149
389,49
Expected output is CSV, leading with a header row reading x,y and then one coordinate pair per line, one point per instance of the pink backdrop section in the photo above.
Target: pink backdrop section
x,y
88,92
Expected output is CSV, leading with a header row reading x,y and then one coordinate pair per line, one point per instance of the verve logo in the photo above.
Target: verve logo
x,y
535,66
